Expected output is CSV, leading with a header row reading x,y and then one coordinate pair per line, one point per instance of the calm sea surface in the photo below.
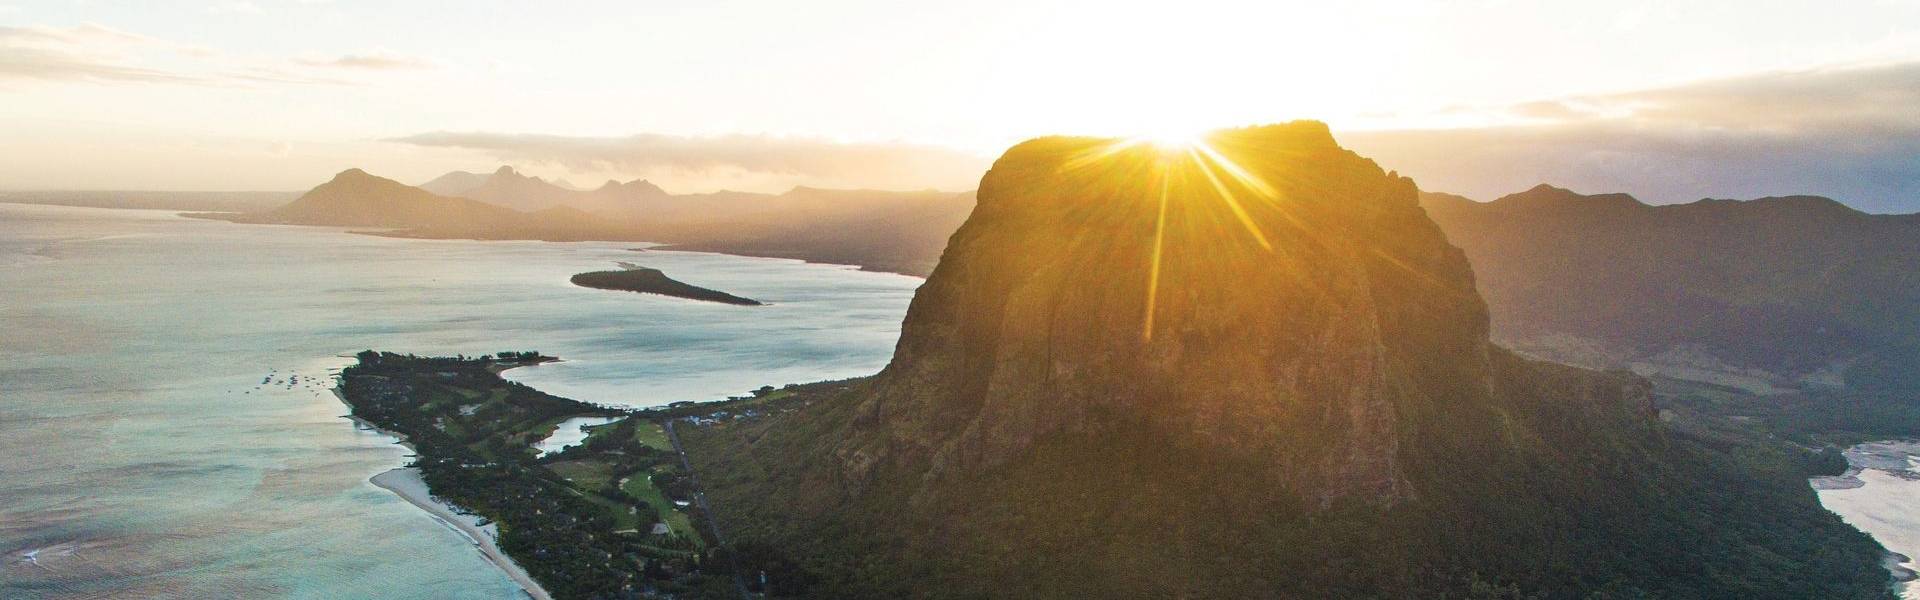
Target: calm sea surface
x,y
166,429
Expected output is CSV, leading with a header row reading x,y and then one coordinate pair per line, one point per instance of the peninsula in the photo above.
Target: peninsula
x,y
611,517
635,278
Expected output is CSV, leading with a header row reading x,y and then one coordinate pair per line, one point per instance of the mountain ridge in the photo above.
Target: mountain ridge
x,y
1795,286
1137,372
878,230
355,198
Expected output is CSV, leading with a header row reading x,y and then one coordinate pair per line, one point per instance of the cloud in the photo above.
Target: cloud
x,y
1849,133
85,33
794,160
92,53
85,53
375,61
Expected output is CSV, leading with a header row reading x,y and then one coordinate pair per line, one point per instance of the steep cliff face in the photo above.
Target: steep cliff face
x,y
1269,294
1249,369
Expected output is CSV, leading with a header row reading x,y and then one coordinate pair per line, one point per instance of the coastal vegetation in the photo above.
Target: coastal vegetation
x,y
1804,419
581,521
654,281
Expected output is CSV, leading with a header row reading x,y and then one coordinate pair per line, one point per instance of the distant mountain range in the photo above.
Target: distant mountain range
x,y
507,187
1763,295
877,230
1758,294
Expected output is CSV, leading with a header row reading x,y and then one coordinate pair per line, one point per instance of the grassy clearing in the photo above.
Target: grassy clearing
x,y
624,517
653,436
639,486
589,475
775,395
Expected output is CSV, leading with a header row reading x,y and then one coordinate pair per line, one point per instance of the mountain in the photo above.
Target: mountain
x,y
456,183
1764,294
354,198
1255,371
618,199
877,230
507,187
901,232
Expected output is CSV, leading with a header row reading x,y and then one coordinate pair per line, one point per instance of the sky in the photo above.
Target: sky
x,y
1669,101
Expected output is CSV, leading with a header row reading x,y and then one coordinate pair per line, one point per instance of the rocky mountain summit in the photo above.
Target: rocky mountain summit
x,y
1250,367
1303,316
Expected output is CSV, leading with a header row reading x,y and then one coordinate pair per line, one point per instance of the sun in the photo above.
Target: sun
x,y
1189,156
1173,139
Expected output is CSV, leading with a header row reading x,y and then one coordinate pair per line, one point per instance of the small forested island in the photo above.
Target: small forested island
x,y
635,278
616,516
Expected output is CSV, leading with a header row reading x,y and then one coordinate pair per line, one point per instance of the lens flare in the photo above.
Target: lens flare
x,y
1189,156
1173,140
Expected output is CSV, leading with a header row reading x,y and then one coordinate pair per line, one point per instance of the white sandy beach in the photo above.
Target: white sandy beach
x,y
1877,495
406,483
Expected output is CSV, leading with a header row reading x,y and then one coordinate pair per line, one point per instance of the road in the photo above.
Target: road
x,y
706,510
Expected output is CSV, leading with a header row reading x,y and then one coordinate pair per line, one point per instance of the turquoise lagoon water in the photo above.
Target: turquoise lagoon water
x,y
166,429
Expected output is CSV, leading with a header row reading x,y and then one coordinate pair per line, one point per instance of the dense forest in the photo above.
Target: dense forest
x,y
1695,509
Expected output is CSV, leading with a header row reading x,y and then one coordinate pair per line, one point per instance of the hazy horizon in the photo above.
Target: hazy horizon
x,y
1004,299
1668,103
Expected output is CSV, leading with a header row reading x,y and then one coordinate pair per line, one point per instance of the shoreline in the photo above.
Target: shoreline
x,y
240,218
646,280
693,247
406,483
399,438
1887,462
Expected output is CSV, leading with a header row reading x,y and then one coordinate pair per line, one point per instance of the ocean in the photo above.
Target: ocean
x,y
166,429
1880,494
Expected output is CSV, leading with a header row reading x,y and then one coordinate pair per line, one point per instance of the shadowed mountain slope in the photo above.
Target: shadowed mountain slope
x,y
1250,369
1791,286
